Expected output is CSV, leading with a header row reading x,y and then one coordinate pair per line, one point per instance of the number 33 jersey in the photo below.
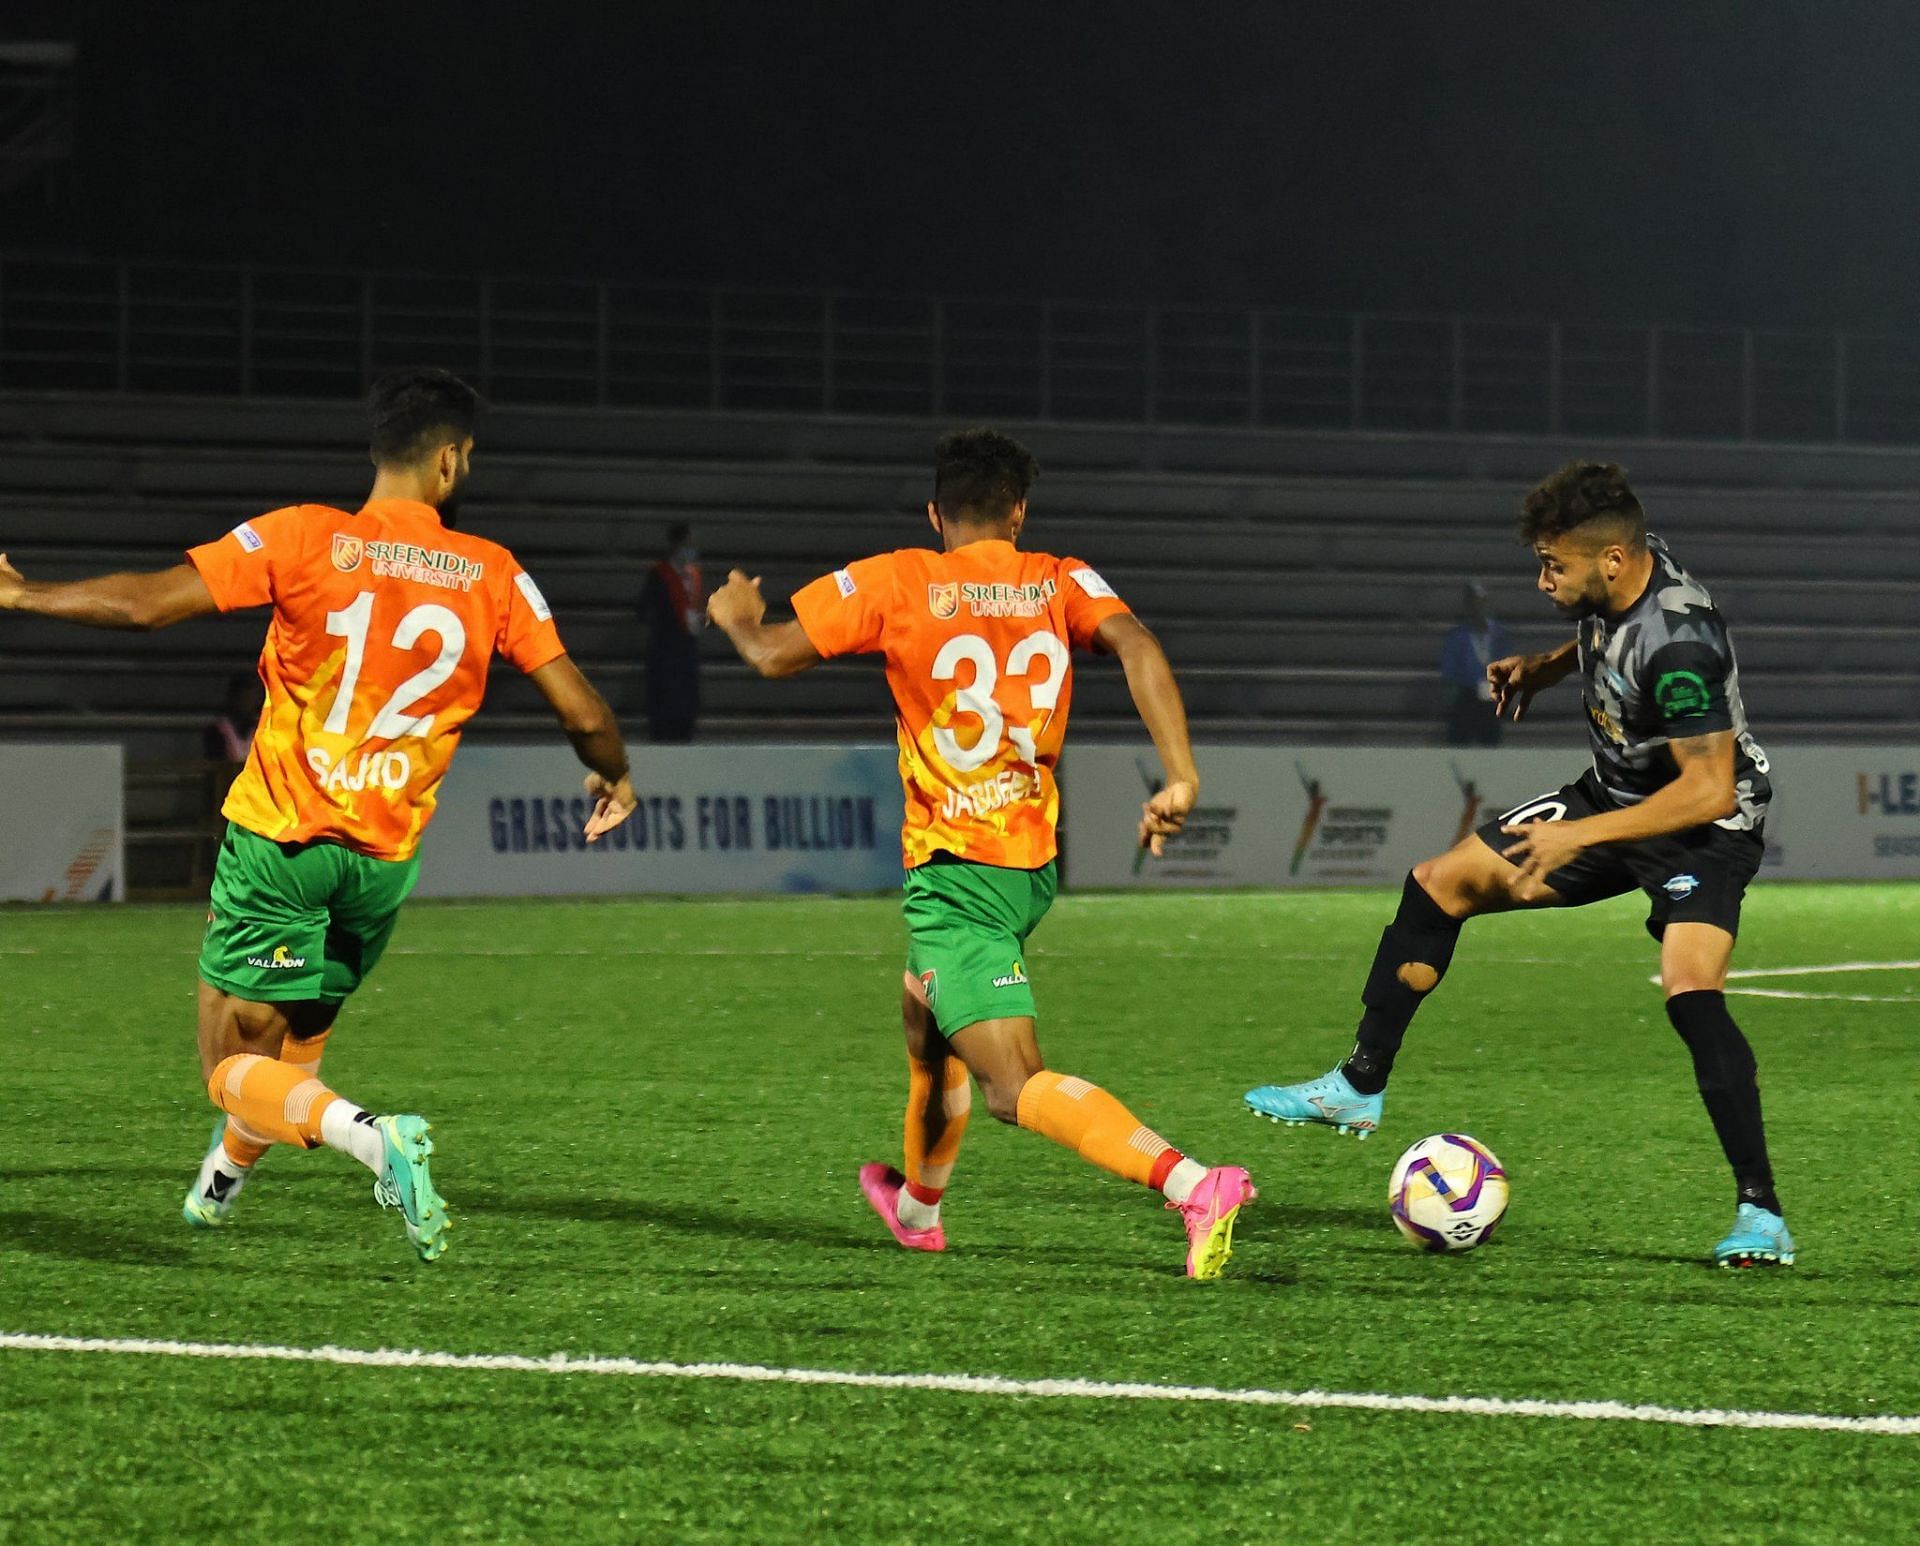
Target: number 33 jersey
x,y
979,647
384,625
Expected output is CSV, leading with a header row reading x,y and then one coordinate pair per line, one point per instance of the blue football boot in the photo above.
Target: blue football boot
x,y
1330,1100
1758,1239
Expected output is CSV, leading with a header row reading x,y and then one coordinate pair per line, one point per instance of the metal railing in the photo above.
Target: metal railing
x,y
180,328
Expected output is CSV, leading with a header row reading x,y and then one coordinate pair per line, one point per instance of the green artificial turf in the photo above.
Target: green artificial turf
x,y
649,1115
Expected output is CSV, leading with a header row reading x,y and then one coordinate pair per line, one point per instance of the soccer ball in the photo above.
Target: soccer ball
x,y
1447,1192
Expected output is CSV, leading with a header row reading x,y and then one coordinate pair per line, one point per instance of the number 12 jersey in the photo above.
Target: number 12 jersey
x,y
384,625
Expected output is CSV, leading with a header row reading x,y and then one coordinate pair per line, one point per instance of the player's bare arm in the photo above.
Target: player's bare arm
x,y
1516,678
739,611
155,599
1157,697
1702,791
589,724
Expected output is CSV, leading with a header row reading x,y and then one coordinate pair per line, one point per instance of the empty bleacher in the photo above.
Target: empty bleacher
x,y
1301,583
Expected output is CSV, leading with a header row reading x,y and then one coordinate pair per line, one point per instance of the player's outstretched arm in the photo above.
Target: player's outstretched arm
x,y
739,611
1157,697
589,724
1516,678
156,599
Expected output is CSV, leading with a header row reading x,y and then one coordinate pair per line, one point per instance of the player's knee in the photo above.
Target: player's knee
x,y
1418,976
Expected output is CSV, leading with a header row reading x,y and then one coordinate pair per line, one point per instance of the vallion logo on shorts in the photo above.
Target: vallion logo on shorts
x,y
1017,978
1681,886
281,960
347,552
944,600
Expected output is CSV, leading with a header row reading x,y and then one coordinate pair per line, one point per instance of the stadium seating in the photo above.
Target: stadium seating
x,y
1300,583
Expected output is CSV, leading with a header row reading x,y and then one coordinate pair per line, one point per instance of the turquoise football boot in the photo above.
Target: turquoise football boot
x,y
406,1184
213,1193
1758,1239
1330,1100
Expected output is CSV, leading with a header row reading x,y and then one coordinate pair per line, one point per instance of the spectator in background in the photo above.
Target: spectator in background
x,y
229,737
1470,645
673,605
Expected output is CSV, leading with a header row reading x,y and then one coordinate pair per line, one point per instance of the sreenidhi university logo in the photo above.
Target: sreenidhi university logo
x,y
347,552
282,960
1017,978
944,600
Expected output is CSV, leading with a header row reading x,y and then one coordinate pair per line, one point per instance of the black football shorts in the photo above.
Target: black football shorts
x,y
1698,875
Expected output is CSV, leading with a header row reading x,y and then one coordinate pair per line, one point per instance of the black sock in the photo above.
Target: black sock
x,y
1421,934
1724,1069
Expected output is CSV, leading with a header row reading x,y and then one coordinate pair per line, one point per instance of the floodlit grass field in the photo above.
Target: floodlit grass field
x,y
649,1116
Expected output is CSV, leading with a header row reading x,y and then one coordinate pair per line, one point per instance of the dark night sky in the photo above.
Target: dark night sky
x,y
1713,162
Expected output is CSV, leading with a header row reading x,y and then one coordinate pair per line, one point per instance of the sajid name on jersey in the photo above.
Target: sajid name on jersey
x,y
374,770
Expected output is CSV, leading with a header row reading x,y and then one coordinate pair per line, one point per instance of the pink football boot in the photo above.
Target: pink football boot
x,y
881,1185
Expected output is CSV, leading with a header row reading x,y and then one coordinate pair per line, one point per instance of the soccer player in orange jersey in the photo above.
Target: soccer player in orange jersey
x,y
978,640
385,621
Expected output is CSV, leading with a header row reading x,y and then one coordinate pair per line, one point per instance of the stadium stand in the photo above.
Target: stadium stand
x,y
1301,582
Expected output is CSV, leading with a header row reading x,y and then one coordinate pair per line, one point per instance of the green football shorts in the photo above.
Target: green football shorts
x,y
298,920
967,928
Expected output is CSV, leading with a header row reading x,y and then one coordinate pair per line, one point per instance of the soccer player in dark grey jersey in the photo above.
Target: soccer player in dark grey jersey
x,y
1673,806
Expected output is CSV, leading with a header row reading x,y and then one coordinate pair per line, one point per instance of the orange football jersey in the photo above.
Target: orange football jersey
x,y
979,648
384,625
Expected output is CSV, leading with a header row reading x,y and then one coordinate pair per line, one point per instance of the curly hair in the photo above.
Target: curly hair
x,y
1582,494
980,474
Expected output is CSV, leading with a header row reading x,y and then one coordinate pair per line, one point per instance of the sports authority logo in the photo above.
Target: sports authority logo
x,y
1682,695
1017,978
282,960
1343,842
943,601
1680,887
1470,802
347,552
1310,823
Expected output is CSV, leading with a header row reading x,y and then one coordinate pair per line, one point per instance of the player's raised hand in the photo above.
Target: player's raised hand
x,y
738,603
1508,679
12,584
1165,814
613,803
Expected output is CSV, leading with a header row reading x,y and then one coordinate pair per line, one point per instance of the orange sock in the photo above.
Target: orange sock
x,y
276,1101
1085,1118
243,1145
938,1103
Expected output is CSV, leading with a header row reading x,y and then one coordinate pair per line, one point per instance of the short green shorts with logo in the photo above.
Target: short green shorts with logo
x,y
967,928
291,921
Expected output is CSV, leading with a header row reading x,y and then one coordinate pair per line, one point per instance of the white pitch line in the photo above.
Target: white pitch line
x,y
975,1384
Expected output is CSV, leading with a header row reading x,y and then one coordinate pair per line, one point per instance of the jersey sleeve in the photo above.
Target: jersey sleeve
x,y
845,613
1687,686
1090,601
528,637
246,567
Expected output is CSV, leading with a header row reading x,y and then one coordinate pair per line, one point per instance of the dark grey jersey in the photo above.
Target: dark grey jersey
x,y
1664,671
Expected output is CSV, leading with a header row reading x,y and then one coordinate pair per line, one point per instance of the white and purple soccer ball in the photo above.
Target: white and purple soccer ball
x,y
1447,1192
